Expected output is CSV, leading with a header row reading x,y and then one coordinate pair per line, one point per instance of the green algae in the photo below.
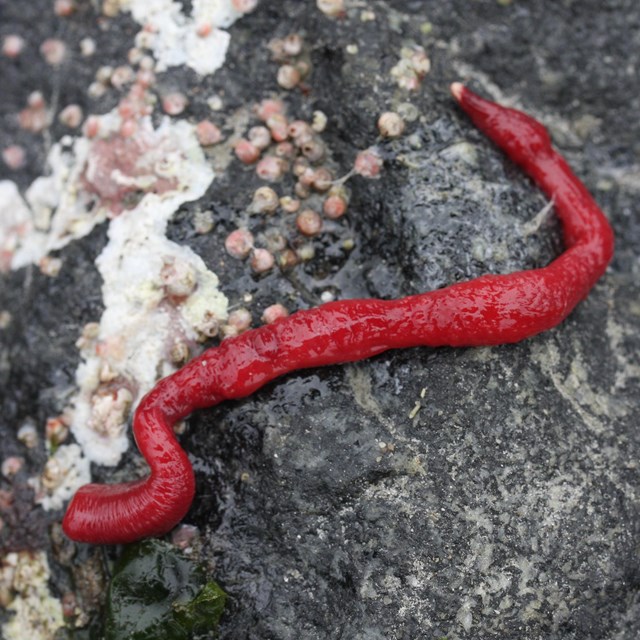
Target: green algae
x,y
158,593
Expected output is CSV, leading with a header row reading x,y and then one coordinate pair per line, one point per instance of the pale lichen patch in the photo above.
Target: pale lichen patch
x,y
35,613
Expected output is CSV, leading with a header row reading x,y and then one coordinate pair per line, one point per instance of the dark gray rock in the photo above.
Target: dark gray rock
x,y
469,493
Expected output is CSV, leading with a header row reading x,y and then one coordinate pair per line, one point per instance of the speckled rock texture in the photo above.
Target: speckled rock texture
x,y
423,494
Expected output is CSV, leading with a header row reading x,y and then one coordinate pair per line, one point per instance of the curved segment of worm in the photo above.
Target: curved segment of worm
x,y
489,310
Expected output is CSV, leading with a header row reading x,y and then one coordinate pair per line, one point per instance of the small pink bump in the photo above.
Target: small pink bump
x,y
278,126
309,222
269,107
71,116
239,319
301,190
122,76
12,46
289,204
298,128
145,77
127,108
208,133
11,466
64,8
271,168
274,312
35,100
368,163
184,536
313,149
174,103
246,151
390,124
265,200
285,150
91,127
292,44
14,156
262,260
288,76
334,207
306,178
322,179
260,137
53,51
239,243
300,166
34,118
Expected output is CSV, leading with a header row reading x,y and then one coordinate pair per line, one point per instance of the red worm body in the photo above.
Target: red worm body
x,y
489,310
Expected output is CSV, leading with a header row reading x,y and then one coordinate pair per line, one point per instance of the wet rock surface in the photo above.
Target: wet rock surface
x,y
441,493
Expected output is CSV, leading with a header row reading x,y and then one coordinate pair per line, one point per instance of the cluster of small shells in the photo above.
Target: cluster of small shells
x,y
35,117
293,60
278,147
282,147
56,432
137,102
413,66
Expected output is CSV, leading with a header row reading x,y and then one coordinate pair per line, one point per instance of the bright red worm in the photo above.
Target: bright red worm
x,y
489,310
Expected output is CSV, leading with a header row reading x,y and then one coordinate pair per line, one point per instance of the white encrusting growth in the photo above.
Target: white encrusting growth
x,y
15,222
198,40
64,473
143,271
53,211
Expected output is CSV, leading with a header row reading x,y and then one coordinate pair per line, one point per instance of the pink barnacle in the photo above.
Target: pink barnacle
x,y
34,117
12,45
368,163
274,312
174,103
246,151
53,51
64,8
268,108
271,168
208,133
278,126
71,116
91,127
334,207
262,260
14,156
239,243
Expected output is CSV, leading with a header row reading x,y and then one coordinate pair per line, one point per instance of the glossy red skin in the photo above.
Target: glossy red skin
x,y
489,310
